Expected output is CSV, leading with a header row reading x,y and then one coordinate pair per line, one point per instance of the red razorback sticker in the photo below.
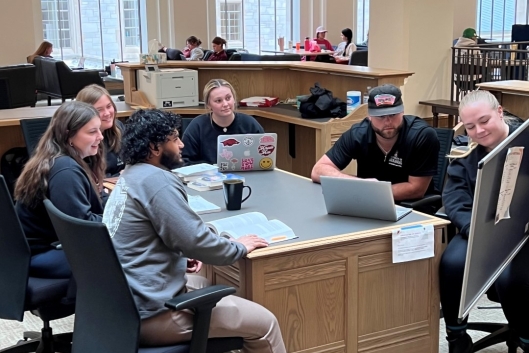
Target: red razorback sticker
x,y
265,150
230,142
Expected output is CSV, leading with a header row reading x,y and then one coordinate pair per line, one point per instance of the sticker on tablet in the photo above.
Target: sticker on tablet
x,y
267,139
265,150
266,163
226,154
247,163
223,166
230,142
247,141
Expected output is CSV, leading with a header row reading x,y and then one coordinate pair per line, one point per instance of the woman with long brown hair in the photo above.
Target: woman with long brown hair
x,y
111,127
45,49
67,168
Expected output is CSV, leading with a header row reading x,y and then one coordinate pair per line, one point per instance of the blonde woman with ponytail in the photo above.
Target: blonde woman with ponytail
x,y
486,125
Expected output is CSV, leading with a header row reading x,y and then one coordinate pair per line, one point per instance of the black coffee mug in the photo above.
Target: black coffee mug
x,y
233,194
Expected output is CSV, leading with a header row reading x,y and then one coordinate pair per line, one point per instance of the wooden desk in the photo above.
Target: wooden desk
x,y
443,106
335,288
513,95
301,142
283,79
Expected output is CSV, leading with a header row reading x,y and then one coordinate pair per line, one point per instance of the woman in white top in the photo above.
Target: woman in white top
x,y
345,48
193,45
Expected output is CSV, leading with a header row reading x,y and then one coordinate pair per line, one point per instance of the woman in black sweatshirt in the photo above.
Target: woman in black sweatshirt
x,y
484,121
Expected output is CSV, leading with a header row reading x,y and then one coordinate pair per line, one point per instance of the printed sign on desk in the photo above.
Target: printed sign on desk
x,y
413,243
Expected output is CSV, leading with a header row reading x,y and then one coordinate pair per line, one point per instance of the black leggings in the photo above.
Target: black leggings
x,y
512,286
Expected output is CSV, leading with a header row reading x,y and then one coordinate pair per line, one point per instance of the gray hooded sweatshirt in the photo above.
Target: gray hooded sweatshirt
x,y
154,231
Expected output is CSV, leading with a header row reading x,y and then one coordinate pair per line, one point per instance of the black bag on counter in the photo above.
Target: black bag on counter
x,y
322,104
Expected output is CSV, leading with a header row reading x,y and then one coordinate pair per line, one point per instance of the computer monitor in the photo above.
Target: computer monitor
x,y
492,245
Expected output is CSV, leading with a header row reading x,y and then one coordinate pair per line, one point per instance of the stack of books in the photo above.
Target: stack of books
x,y
212,181
194,172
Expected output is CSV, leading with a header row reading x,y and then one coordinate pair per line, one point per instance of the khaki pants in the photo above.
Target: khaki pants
x,y
232,317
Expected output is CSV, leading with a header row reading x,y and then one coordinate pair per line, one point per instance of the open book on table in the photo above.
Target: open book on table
x,y
272,231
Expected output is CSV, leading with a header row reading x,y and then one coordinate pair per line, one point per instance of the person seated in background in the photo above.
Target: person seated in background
x,y
111,127
345,48
387,146
487,126
321,32
45,49
194,53
191,52
219,54
200,137
67,168
468,39
148,214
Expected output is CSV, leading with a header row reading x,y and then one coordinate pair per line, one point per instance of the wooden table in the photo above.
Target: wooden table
x,y
301,142
335,288
282,79
300,52
443,106
513,95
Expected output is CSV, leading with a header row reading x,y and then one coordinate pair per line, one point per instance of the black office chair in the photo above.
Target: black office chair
x,y
207,54
185,124
32,130
359,58
46,298
106,318
431,203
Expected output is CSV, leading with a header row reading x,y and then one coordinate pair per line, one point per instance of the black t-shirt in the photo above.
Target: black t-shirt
x,y
200,137
414,154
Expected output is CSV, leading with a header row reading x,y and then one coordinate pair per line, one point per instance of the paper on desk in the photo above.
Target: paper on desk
x,y
413,243
508,182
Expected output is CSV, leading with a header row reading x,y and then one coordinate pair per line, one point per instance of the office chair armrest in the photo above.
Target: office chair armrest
x,y
441,213
425,201
199,298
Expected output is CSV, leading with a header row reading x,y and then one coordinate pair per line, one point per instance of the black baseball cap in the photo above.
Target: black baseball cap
x,y
385,100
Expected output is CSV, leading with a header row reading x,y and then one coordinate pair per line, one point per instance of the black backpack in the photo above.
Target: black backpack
x,y
11,165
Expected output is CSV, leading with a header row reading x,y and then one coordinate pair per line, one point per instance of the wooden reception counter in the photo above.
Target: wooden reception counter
x,y
283,79
513,95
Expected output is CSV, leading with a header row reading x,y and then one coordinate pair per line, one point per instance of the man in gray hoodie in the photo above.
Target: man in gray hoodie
x,y
159,239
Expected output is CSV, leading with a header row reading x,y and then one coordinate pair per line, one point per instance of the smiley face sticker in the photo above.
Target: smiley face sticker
x,y
266,163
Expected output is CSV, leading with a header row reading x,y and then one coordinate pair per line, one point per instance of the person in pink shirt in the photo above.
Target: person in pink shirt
x,y
320,38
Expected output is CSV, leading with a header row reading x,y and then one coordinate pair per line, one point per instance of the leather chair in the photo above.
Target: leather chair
x,y
56,79
230,52
32,130
430,203
46,298
106,318
17,86
207,54
359,58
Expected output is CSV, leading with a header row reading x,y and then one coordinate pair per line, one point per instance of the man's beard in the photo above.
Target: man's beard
x,y
171,160
388,134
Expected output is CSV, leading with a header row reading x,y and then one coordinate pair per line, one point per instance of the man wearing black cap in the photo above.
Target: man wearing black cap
x,y
388,146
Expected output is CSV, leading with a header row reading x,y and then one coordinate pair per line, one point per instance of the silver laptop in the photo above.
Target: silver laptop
x,y
361,198
246,152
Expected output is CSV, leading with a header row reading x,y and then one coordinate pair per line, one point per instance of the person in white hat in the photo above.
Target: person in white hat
x,y
320,38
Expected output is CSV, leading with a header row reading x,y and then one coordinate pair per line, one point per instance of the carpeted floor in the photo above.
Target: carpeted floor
x,y
11,331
